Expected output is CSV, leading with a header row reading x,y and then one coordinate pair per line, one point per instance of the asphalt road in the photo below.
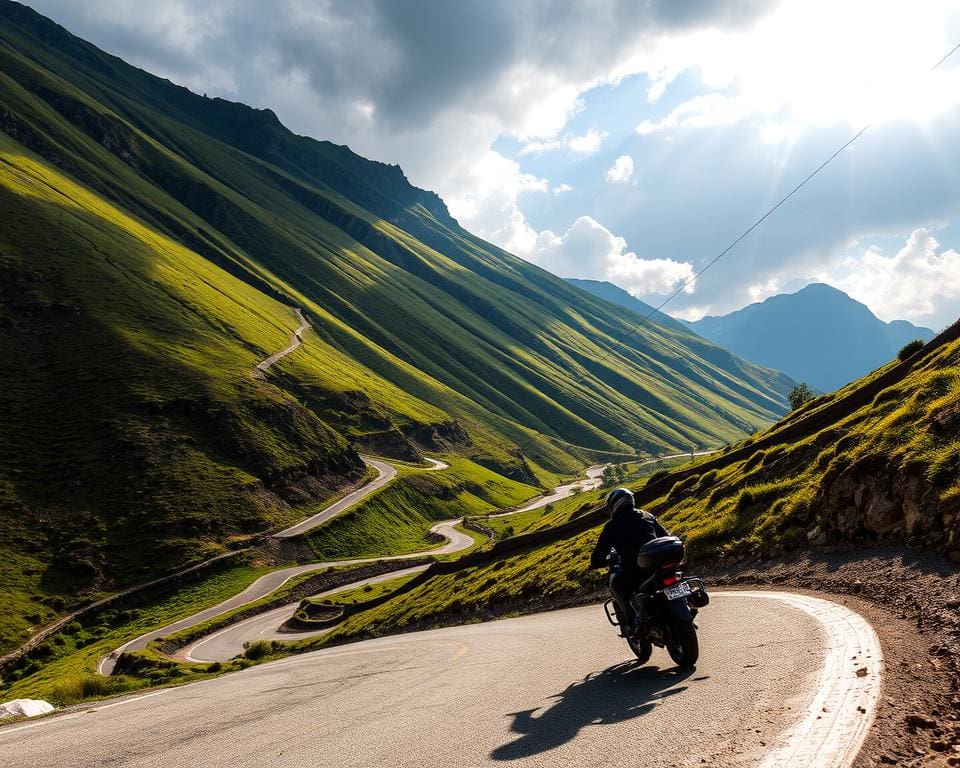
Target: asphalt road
x,y
264,365
229,642
594,479
775,686
385,474
456,541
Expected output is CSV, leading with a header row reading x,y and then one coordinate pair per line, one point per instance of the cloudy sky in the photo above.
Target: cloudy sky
x,y
616,139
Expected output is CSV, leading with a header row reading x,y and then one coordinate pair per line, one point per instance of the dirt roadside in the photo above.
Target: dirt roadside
x,y
912,599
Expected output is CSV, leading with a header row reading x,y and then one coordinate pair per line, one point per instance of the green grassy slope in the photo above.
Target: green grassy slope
x,y
131,415
395,520
397,276
152,245
887,468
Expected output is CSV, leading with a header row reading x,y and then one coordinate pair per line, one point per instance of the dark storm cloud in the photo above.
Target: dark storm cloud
x,y
411,60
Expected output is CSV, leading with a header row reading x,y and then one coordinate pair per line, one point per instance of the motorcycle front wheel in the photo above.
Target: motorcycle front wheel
x,y
682,643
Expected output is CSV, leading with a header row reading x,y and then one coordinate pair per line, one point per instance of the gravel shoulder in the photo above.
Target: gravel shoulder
x,y
912,599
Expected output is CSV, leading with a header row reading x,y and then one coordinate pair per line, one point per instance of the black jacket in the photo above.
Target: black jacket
x,y
627,531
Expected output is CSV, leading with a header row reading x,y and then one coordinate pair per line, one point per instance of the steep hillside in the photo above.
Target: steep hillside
x,y
153,246
616,295
877,461
818,335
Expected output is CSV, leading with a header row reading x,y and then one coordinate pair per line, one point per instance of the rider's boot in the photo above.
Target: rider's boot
x,y
638,603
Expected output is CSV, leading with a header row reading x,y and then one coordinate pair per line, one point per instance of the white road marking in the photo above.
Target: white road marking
x,y
839,717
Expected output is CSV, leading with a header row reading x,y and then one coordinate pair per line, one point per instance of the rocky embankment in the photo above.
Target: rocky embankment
x,y
881,497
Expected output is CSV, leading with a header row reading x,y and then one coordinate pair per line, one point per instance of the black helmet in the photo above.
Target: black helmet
x,y
617,498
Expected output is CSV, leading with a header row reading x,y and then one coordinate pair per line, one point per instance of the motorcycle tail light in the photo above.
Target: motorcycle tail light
x,y
669,581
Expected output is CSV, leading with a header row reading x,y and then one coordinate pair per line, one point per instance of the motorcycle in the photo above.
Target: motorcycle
x,y
666,604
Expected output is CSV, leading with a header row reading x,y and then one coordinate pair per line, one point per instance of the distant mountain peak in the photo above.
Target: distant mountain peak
x,y
818,334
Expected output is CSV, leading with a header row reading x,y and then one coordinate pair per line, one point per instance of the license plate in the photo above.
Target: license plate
x,y
680,590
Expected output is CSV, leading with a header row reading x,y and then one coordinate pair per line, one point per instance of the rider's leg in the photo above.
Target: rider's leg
x,y
622,587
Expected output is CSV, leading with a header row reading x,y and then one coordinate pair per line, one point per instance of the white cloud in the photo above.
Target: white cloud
x,y
586,144
646,276
561,188
700,112
764,290
588,249
691,313
488,206
621,170
907,285
766,70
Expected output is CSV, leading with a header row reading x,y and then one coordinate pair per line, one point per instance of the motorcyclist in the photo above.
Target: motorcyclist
x,y
626,532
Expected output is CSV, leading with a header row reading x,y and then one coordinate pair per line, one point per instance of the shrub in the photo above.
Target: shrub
x,y
257,650
800,395
71,689
708,479
43,652
658,475
910,349
745,499
682,486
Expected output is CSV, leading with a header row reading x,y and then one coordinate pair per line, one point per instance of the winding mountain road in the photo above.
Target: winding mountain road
x,y
229,642
593,480
456,541
385,474
777,685
265,364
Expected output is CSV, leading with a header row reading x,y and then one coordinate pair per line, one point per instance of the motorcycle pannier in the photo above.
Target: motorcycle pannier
x,y
656,553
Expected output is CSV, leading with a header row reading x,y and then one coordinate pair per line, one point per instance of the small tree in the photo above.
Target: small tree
x,y
799,395
614,474
910,349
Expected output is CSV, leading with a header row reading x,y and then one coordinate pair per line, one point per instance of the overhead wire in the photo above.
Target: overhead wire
x,y
683,286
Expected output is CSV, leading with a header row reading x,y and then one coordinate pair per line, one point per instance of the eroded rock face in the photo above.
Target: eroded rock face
x,y
887,502
886,496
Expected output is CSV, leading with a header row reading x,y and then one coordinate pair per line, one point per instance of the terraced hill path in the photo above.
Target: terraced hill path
x,y
265,364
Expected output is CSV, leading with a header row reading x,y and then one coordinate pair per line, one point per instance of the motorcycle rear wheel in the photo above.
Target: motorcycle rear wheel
x,y
641,647
682,644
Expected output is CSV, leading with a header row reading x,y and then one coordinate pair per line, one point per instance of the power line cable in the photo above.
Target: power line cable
x,y
756,224
743,235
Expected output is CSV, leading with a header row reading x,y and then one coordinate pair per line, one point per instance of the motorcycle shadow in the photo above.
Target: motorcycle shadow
x,y
618,693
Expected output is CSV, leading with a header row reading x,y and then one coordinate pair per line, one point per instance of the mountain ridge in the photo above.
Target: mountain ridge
x,y
154,246
818,334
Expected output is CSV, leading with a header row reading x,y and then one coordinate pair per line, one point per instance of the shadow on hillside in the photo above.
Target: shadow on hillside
x,y
618,693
